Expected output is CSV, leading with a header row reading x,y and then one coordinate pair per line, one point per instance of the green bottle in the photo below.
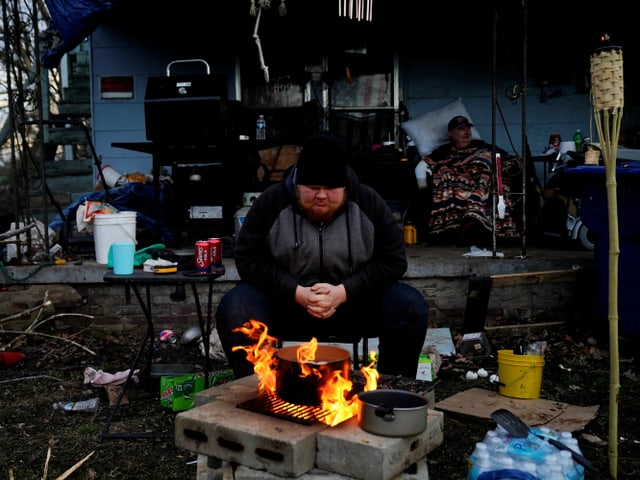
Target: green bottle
x,y
577,139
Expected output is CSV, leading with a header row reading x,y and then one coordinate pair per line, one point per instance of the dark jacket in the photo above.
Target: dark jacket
x,y
278,248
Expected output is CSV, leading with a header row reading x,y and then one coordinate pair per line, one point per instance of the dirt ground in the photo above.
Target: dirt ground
x,y
40,442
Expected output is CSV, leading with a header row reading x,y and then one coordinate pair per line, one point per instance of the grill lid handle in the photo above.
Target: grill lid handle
x,y
188,61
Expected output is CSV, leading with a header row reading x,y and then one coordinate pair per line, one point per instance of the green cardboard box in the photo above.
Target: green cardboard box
x,y
425,368
178,392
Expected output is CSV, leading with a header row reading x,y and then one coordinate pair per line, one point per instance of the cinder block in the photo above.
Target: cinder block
x,y
378,457
220,429
210,468
221,470
264,445
234,392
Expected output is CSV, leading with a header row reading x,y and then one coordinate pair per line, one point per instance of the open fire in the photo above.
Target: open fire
x,y
337,399
253,423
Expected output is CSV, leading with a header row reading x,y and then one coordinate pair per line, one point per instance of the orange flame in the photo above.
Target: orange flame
x,y
307,353
261,354
336,399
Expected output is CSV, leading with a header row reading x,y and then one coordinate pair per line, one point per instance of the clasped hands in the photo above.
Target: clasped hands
x,y
322,299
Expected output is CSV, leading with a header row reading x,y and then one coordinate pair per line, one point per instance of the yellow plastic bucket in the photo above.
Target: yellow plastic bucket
x,y
520,375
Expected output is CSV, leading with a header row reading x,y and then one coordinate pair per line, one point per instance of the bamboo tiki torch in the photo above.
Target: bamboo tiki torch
x,y
607,95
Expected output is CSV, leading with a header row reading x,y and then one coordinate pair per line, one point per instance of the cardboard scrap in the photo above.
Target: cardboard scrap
x,y
113,392
480,403
441,339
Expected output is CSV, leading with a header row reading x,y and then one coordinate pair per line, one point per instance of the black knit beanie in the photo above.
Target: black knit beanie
x,y
323,162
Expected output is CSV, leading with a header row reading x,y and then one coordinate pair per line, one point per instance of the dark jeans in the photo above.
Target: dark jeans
x,y
398,317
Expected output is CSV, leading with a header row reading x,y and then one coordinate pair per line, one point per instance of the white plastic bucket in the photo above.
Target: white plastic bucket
x,y
112,227
112,177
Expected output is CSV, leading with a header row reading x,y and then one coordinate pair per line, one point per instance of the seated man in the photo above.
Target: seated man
x,y
321,255
461,181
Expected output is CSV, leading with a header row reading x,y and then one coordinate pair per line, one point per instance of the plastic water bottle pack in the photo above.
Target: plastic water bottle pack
x,y
501,456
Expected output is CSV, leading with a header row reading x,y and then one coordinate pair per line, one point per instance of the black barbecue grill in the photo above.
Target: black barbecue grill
x,y
191,125
186,109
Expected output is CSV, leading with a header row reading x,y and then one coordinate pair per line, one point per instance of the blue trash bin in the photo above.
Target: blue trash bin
x,y
590,184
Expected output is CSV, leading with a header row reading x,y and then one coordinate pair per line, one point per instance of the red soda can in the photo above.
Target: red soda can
x,y
202,256
168,335
215,252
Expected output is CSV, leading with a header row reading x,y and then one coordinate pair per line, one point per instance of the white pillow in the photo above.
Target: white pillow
x,y
429,130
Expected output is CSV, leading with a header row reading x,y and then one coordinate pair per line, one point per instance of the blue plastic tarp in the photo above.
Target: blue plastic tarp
x,y
71,22
136,197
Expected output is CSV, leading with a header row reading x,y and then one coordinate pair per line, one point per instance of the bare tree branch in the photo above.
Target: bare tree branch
x,y
16,316
39,334
74,468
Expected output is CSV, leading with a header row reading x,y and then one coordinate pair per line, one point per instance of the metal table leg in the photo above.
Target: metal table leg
x,y
205,328
148,339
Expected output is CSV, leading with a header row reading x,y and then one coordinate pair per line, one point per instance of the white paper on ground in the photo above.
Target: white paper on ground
x,y
440,338
481,252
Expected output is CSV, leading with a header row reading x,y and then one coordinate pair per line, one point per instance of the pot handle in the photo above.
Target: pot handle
x,y
385,413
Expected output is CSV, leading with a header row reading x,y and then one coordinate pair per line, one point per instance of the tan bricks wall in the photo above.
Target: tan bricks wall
x,y
446,298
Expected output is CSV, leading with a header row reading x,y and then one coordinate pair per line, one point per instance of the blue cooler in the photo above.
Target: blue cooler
x,y
590,184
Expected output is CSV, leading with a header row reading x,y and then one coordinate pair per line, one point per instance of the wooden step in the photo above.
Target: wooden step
x,y
67,136
69,167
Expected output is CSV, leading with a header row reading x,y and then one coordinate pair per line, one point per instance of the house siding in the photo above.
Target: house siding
x,y
426,82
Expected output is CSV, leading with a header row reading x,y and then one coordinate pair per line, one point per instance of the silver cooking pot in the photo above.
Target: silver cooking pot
x,y
392,413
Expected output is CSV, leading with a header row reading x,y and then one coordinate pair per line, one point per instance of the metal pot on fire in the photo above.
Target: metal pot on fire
x,y
392,413
301,383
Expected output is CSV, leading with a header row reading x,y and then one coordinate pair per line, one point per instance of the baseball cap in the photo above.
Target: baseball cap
x,y
458,122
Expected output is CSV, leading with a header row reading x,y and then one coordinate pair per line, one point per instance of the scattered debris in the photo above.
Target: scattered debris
x,y
10,358
90,405
98,378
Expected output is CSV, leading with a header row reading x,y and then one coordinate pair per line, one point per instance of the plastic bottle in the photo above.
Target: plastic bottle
x,y
566,437
577,470
570,441
261,128
90,405
422,171
481,447
577,139
496,440
479,462
503,461
496,443
569,470
528,467
410,233
497,433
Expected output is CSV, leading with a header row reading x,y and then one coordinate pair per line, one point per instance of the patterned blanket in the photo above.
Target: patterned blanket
x,y
462,192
